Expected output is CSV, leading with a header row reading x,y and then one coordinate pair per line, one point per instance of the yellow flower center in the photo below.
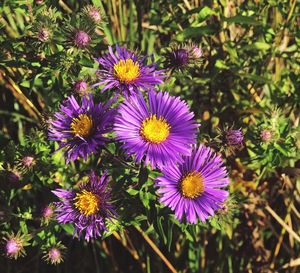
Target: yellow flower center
x,y
127,71
192,185
155,130
86,202
82,125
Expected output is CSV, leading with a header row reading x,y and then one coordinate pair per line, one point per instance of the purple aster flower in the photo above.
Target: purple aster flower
x,y
161,131
127,71
81,39
80,129
87,208
192,188
234,137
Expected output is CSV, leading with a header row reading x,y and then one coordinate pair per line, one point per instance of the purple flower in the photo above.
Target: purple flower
x,y
14,245
47,214
80,129
266,135
180,57
127,71
87,208
81,39
192,188
44,34
13,176
234,137
55,254
93,13
80,87
28,161
161,131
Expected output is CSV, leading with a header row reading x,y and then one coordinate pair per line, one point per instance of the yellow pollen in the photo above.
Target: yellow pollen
x,y
192,185
82,125
127,71
86,202
155,130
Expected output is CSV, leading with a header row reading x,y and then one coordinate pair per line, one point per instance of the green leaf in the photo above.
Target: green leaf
x,y
195,32
205,12
256,78
221,65
258,45
68,228
243,20
280,149
132,191
161,230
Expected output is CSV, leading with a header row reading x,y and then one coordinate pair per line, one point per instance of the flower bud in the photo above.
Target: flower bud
x,y
81,39
54,254
14,246
94,14
28,161
80,87
196,52
44,34
13,176
266,135
179,57
47,214
234,137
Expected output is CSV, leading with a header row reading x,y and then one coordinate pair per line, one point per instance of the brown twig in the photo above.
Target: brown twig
x,y
281,222
156,250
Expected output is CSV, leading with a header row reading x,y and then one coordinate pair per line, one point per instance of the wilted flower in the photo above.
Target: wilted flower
x,y
54,254
14,245
192,188
127,71
80,128
161,131
81,39
87,208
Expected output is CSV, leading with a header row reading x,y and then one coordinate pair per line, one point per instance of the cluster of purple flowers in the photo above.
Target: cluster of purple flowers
x,y
157,130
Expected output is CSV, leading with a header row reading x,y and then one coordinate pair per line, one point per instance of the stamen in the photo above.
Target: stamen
x,y
127,71
155,130
192,185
